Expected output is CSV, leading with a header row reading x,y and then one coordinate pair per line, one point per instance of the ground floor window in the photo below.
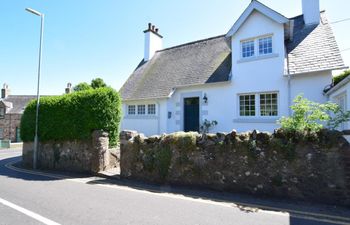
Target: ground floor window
x,y
258,104
151,109
247,105
131,109
268,104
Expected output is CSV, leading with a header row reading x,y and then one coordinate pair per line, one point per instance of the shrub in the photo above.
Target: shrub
x,y
340,77
74,116
308,115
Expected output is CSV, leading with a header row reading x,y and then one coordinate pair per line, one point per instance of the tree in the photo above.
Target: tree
x,y
82,87
98,83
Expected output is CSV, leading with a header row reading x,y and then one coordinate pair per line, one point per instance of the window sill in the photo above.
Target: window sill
x,y
147,117
260,57
256,120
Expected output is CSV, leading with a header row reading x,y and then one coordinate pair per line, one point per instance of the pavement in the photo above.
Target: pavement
x,y
46,197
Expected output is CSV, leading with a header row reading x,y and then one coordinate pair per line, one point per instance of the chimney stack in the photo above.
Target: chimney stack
x,y
311,11
153,41
5,91
68,88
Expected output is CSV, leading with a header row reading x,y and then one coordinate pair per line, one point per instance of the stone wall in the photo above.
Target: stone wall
x,y
77,156
307,166
9,125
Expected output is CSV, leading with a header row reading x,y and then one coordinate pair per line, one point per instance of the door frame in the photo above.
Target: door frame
x,y
197,94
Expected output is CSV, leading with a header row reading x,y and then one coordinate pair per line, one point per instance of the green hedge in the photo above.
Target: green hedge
x,y
74,116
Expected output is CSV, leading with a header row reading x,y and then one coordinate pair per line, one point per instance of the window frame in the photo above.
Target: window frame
x,y
139,109
242,48
257,105
148,109
256,41
268,106
251,112
131,114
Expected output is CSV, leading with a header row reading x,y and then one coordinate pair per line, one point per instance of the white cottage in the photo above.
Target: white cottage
x,y
245,79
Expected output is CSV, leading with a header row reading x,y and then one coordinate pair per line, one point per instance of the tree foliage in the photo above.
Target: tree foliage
x,y
308,115
95,83
74,116
341,77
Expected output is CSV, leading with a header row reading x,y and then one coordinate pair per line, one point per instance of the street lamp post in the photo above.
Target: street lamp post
x,y
36,144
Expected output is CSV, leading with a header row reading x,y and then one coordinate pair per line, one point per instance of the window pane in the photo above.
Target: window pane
x,y
268,104
141,109
265,46
247,105
151,109
247,49
131,110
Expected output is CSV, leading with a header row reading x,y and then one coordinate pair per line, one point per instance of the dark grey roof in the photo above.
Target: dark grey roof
x,y
19,102
200,62
313,47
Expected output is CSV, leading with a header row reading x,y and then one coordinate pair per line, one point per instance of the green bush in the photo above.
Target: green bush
x,y
74,116
308,115
340,77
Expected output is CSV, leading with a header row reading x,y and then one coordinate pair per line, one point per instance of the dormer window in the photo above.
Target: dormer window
x,y
256,47
248,49
265,45
2,112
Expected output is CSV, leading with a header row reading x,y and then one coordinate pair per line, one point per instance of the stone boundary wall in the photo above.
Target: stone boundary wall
x,y
75,156
305,166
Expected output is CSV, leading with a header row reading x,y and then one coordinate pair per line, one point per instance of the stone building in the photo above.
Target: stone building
x,y
11,110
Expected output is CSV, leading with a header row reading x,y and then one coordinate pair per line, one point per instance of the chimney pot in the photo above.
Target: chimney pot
x,y
153,27
68,88
149,26
157,30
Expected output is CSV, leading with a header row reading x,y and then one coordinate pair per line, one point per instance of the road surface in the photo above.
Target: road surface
x,y
41,198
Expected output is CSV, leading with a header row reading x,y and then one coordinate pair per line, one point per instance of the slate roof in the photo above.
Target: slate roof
x,y
19,102
200,62
313,48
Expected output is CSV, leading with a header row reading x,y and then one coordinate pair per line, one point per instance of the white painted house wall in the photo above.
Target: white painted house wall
x,y
343,92
260,74
256,75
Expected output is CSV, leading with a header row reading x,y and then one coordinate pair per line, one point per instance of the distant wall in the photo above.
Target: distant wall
x,y
308,166
9,125
77,156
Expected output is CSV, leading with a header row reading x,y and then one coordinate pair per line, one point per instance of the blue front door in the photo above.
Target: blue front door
x,y
191,114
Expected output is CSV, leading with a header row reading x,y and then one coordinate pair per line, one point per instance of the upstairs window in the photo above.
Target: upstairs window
x,y
248,49
265,45
247,105
131,109
141,109
151,109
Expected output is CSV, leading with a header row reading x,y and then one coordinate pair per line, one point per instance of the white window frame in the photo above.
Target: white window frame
x,y
239,103
242,47
256,41
265,37
148,109
267,106
257,105
128,108
139,109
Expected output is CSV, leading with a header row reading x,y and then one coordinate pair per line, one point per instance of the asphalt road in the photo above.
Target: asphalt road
x,y
32,198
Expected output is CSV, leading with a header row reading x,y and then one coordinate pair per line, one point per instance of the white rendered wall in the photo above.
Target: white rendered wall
x,y
311,85
259,74
345,90
153,43
311,11
146,124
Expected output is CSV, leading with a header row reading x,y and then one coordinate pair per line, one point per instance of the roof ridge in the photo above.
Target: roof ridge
x,y
190,43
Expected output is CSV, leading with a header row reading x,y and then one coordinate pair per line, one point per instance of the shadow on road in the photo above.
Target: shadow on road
x,y
300,211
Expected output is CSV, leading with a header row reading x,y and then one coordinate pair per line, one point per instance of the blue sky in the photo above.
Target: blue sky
x,y
85,39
